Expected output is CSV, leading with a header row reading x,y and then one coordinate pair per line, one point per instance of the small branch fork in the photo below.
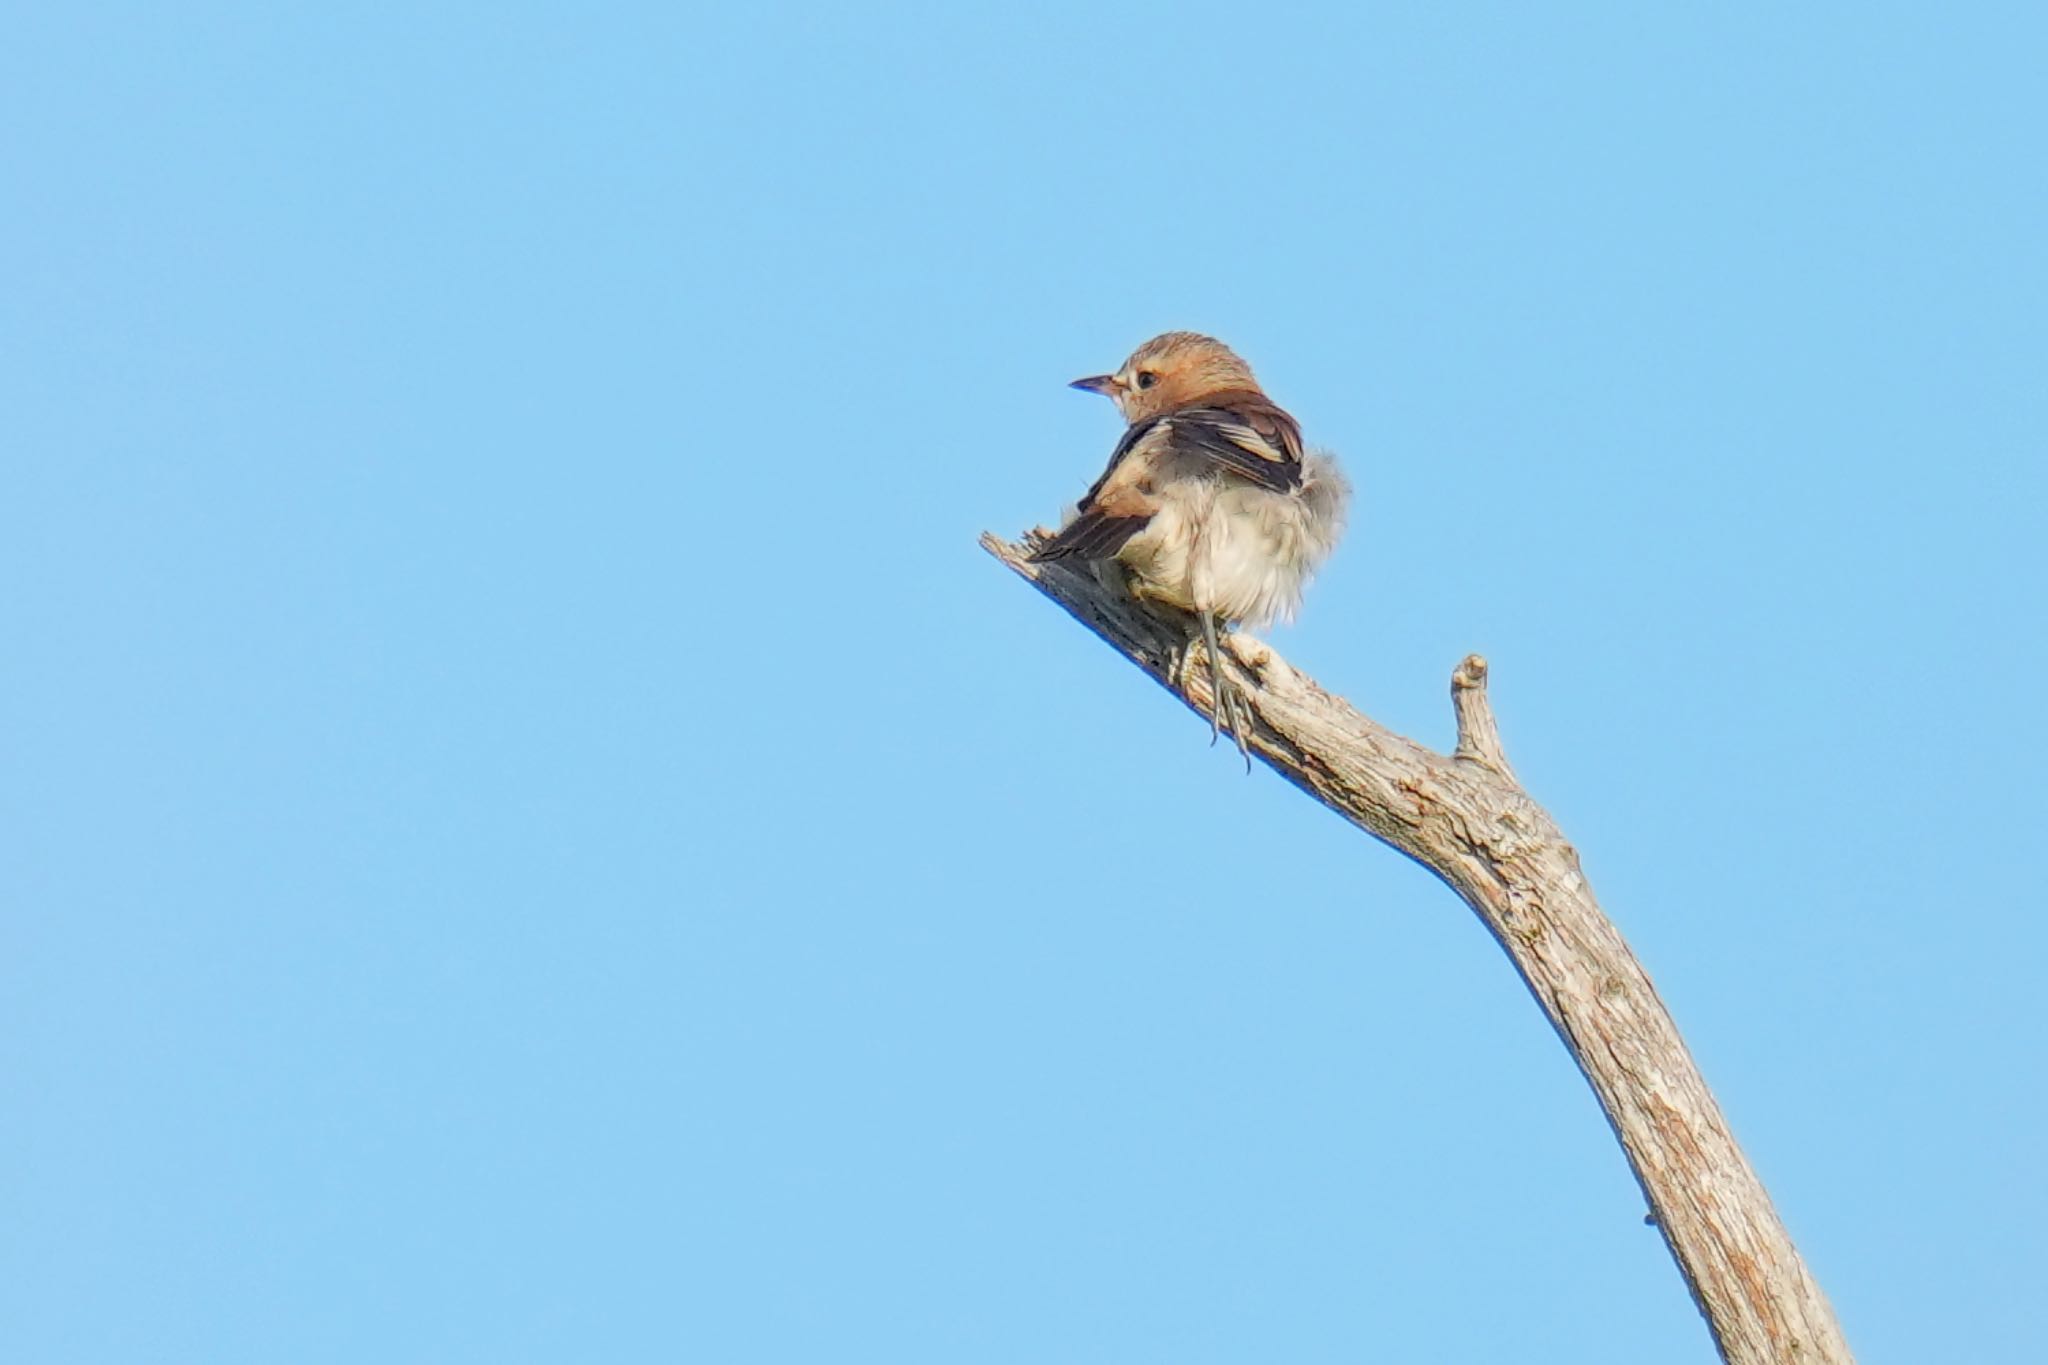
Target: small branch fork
x,y
1467,818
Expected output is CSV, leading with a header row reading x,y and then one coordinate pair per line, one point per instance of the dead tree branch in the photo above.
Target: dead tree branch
x,y
1466,818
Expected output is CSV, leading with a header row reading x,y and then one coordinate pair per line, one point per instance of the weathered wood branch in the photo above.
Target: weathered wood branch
x,y
1466,818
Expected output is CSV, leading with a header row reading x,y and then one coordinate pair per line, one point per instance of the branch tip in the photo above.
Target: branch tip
x,y
1470,673
1478,732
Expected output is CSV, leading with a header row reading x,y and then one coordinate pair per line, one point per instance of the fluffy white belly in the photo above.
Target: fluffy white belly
x,y
1236,551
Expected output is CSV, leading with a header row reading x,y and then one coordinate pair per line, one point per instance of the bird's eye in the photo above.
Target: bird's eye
x,y
1147,378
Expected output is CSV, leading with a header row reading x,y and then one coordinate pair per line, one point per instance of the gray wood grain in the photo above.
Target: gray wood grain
x,y
1465,817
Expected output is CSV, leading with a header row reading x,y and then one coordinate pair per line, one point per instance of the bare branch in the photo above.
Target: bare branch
x,y
1467,819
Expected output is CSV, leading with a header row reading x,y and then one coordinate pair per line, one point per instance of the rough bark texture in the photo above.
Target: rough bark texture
x,y
1466,818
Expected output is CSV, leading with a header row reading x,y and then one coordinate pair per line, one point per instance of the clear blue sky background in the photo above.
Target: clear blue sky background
x,y
530,832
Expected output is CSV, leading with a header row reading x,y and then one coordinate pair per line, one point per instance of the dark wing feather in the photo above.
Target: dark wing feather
x,y
1095,533
1090,535
1260,443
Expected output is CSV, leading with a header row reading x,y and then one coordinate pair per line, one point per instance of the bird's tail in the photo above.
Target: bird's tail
x,y
1326,502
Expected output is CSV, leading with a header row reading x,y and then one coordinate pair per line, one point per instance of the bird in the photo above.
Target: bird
x,y
1210,502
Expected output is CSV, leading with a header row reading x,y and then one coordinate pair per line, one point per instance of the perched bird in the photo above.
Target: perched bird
x,y
1210,502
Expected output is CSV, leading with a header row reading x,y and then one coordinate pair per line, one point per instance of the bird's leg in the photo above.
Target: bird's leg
x,y
1227,701
1217,702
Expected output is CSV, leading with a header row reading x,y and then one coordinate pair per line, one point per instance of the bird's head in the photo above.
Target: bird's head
x,y
1170,372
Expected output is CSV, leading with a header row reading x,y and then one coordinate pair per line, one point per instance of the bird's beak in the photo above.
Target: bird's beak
x,y
1104,384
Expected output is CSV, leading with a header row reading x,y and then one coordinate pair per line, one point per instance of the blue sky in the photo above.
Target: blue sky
x,y
532,832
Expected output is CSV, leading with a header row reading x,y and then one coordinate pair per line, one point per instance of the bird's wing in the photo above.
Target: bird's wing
x,y
1247,436
1119,503
1253,439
